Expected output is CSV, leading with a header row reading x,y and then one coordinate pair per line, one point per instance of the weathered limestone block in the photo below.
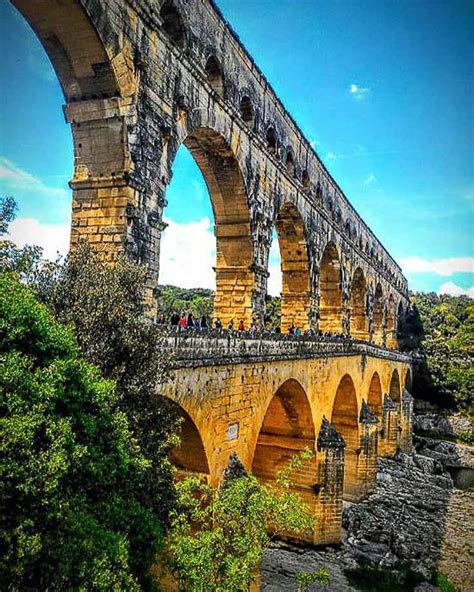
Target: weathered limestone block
x,y
330,457
406,422
390,429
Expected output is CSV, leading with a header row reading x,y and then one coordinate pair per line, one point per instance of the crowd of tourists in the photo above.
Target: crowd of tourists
x,y
187,321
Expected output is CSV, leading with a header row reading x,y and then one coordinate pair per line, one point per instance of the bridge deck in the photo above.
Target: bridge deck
x,y
194,348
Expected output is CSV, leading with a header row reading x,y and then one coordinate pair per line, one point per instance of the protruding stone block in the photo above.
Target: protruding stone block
x,y
389,434
329,487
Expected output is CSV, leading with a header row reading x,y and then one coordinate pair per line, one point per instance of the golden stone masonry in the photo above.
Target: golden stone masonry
x,y
141,78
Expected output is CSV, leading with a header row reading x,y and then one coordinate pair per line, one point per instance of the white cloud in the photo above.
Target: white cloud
x,y
274,284
443,267
331,156
53,238
13,177
188,254
313,143
454,290
371,178
359,92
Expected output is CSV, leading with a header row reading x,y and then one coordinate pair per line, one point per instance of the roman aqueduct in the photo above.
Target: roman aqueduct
x,y
142,77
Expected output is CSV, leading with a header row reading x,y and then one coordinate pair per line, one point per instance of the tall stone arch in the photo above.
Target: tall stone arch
x,y
234,247
296,285
330,290
359,325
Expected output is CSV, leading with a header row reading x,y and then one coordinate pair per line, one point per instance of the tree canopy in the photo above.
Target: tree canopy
x,y
440,330
74,512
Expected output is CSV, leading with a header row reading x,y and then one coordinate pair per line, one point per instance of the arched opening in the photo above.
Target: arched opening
x,y
378,316
359,321
233,279
87,70
189,456
374,396
246,111
214,75
287,428
400,321
391,323
73,45
408,381
330,293
271,140
346,421
295,295
290,163
172,24
394,390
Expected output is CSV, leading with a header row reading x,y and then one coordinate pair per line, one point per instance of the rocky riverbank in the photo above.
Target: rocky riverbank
x,y
415,517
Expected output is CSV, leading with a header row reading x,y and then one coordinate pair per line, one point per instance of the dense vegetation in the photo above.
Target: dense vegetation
x,y
440,329
74,512
87,497
200,301
197,301
225,553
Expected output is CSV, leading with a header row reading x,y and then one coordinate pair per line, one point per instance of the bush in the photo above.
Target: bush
x,y
74,511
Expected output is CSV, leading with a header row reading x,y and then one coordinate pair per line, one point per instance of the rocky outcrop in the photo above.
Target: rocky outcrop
x,y
404,521
457,550
449,454
441,423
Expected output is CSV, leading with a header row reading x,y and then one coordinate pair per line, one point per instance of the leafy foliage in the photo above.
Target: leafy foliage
x,y
272,312
197,301
441,330
8,209
105,305
218,536
74,512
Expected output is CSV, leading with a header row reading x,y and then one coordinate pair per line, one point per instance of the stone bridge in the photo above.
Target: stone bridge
x,y
267,397
143,77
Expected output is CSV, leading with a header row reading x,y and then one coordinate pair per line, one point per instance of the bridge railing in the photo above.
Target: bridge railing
x,y
210,346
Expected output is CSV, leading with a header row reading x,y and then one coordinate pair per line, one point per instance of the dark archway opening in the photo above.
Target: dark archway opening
x,y
394,390
374,396
247,111
359,321
271,140
189,456
173,24
378,316
345,420
287,429
215,75
330,293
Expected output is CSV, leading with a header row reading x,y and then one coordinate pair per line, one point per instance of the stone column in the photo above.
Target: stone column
x,y
329,487
406,423
366,465
389,434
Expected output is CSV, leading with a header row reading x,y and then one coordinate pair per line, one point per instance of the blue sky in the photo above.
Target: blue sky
x,y
383,89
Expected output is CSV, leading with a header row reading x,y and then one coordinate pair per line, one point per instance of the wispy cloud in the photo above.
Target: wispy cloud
x,y
454,290
13,177
371,178
442,267
359,92
331,156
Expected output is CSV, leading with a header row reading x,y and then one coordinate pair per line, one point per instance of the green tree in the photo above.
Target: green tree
x,y
440,329
218,536
74,511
